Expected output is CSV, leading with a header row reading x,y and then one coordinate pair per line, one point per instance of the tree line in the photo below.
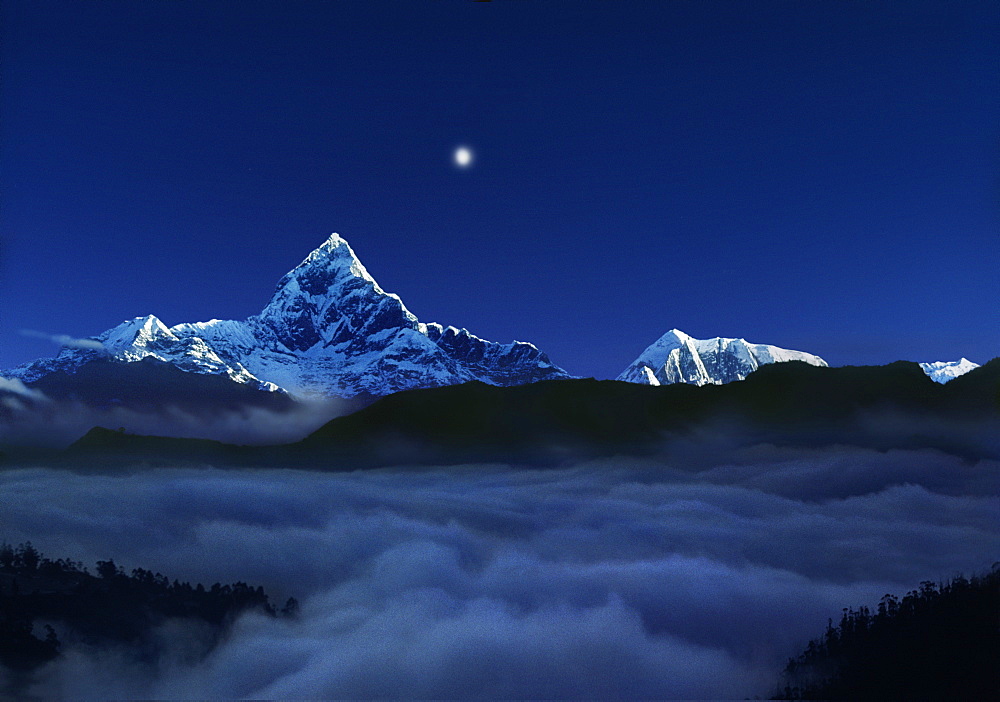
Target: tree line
x,y
109,606
938,642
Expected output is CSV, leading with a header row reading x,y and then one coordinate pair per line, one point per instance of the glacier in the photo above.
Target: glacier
x,y
678,358
329,329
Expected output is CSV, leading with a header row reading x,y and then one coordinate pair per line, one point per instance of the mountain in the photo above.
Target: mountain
x,y
551,422
678,358
793,402
943,371
151,385
329,329
137,340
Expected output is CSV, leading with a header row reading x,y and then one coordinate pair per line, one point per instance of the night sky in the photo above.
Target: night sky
x,y
819,176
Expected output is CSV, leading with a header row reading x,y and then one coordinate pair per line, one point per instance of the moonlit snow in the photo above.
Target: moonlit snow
x,y
329,329
621,578
678,358
943,371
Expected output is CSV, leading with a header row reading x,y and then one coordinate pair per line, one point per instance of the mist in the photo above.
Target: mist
x,y
35,420
617,578
66,341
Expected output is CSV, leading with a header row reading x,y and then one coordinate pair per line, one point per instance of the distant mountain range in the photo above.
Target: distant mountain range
x,y
331,330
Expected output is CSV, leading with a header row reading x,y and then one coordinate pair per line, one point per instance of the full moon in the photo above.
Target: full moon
x,y
463,157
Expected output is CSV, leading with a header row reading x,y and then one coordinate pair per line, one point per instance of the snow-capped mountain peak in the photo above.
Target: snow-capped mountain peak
x,y
334,252
673,339
943,371
331,328
328,329
330,298
677,357
140,338
138,332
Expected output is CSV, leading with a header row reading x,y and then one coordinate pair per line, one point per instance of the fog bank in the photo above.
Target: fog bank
x,y
615,578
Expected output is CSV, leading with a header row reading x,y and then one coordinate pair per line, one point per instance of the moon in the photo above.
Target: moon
x,y
463,157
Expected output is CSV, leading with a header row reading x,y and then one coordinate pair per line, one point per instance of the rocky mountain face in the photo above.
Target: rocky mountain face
x,y
678,358
329,329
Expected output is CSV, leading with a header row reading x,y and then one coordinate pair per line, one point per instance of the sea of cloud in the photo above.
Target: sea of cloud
x,y
619,578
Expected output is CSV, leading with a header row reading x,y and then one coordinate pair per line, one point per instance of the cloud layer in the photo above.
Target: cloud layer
x,y
66,340
616,578
29,418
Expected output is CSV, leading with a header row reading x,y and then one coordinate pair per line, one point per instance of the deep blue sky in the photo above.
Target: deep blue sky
x,y
820,176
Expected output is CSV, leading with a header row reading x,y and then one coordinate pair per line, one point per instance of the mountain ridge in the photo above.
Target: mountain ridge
x,y
889,407
679,358
946,371
328,329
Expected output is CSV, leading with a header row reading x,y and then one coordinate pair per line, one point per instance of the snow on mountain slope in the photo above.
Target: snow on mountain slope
x,y
943,371
515,363
329,329
139,338
678,358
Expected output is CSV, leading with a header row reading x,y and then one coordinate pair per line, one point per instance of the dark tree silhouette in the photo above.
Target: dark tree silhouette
x,y
107,569
939,642
113,608
291,608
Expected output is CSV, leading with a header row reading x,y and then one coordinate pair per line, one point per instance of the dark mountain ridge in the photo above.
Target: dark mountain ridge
x,y
150,384
550,422
107,609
